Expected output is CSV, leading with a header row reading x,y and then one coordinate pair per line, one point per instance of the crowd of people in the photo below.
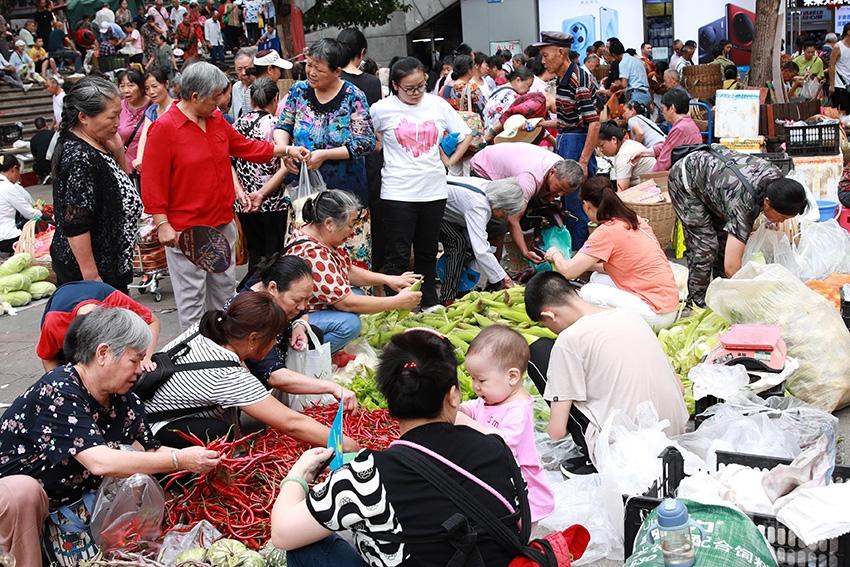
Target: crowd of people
x,y
421,165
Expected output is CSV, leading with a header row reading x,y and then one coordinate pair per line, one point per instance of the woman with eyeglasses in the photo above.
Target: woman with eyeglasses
x,y
410,124
330,118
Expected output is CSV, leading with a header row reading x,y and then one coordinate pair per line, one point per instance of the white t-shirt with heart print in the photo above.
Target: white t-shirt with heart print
x,y
413,170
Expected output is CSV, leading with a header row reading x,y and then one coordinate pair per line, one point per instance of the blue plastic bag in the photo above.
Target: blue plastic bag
x,y
554,237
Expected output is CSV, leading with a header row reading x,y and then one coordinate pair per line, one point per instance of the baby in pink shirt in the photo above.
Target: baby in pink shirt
x,y
496,361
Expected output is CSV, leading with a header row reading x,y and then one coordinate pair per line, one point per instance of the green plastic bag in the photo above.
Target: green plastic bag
x,y
557,237
731,540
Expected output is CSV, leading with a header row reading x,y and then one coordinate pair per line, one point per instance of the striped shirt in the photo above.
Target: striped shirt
x,y
574,101
227,388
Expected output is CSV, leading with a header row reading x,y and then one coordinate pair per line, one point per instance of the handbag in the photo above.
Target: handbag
x,y
67,537
473,120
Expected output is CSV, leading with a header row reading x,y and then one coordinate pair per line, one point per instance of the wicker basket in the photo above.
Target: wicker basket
x,y
660,216
702,81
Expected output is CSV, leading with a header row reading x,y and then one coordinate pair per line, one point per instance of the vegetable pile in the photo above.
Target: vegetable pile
x,y
237,497
21,282
688,341
460,323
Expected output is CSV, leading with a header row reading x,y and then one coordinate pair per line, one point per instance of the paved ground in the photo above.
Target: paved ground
x,y
20,368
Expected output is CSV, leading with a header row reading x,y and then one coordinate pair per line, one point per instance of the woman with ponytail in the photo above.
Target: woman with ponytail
x,y
631,270
336,304
97,207
380,494
289,280
207,402
464,93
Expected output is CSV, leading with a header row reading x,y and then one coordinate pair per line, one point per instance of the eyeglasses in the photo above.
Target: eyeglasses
x,y
414,90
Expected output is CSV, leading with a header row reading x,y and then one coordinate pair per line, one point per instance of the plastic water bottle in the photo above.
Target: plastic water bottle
x,y
674,525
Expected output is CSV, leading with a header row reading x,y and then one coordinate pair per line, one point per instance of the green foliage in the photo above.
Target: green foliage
x,y
352,13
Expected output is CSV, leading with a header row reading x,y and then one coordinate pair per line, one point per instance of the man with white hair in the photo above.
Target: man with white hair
x,y
240,99
470,204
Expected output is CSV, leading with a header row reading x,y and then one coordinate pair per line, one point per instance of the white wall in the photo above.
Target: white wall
x,y
510,20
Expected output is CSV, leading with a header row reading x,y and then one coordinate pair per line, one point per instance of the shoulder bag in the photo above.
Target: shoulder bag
x,y
473,120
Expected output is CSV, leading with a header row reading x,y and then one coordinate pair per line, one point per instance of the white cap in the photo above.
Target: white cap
x,y
20,43
177,52
273,58
105,27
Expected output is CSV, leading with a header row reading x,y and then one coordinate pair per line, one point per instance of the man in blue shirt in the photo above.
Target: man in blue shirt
x,y
632,74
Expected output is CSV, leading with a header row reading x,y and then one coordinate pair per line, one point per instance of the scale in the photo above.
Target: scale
x,y
758,348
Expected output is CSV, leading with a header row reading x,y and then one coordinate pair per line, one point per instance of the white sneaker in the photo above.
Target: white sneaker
x,y
27,87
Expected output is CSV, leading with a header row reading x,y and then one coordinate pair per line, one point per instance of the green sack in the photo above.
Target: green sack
x,y
731,540
557,237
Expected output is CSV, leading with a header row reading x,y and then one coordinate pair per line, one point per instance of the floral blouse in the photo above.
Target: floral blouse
x,y
501,99
57,418
93,194
456,95
259,126
343,121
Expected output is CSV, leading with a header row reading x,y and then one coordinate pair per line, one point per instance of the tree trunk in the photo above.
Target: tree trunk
x,y
762,63
283,9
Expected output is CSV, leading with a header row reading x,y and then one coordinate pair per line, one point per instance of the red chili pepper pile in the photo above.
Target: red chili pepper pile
x,y
237,497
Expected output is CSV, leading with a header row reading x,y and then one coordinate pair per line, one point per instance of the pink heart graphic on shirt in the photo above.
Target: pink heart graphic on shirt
x,y
416,138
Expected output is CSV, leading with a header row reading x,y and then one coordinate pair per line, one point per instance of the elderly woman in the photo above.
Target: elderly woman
x,y
335,305
134,103
519,83
188,148
156,87
472,202
633,271
330,118
264,223
62,436
206,403
413,181
289,280
613,144
96,206
418,377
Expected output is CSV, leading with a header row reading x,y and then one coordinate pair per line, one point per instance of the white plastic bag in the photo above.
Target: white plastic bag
x,y
309,182
718,380
315,363
813,330
824,248
776,427
769,246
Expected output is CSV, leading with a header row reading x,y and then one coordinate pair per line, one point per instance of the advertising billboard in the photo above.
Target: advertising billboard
x,y
592,20
715,21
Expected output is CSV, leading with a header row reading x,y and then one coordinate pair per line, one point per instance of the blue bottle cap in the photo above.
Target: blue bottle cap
x,y
672,515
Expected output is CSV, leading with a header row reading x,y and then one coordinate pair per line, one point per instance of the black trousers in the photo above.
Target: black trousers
x,y
374,163
417,225
264,234
538,367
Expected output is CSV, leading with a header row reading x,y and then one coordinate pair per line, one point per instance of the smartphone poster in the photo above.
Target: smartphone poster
x,y
594,20
715,22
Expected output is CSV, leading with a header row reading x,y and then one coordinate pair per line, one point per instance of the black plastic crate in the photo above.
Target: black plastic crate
x,y
789,550
812,140
701,405
780,160
11,133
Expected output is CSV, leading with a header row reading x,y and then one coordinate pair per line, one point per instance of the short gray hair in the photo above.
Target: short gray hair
x,y
570,172
330,204
245,52
672,74
830,38
505,195
203,79
116,327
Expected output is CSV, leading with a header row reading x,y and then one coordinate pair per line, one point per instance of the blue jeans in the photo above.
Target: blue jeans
x,y
641,96
339,327
333,551
570,146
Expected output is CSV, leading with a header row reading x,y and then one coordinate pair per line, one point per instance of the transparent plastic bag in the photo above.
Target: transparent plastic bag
x,y
824,248
718,380
776,427
769,246
127,510
811,327
309,182
182,538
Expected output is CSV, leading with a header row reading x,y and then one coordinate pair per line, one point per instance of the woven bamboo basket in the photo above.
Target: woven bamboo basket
x,y
660,216
702,81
